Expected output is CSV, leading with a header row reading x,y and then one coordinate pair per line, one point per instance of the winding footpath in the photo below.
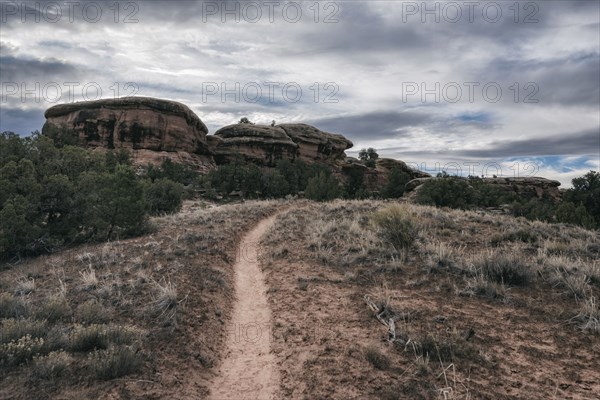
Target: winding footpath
x,y
248,370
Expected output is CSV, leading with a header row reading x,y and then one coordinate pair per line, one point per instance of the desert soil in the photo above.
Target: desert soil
x,y
248,369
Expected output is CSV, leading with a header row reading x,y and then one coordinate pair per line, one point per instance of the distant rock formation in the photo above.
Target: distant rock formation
x,y
258,144
264,145
152,129
315,145
529,187
377,177
155,130
526,187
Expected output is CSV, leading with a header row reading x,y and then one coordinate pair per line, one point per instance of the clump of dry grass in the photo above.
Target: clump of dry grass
x,y
480,285
514,235
91,337
55,308
114,362
502,267
52,366
21,350
166,299
441,255
91,312
24,286
589,315
89,280
397,227
376,357
12,307
566,274
13,329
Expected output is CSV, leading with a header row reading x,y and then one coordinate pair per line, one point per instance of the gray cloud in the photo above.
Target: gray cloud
x,y
373,126
572,143
21,121
172,50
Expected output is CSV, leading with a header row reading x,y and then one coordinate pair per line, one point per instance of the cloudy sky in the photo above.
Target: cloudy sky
x,y
470,87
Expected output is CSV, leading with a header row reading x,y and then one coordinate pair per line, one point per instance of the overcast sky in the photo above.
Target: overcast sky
x,y
459,84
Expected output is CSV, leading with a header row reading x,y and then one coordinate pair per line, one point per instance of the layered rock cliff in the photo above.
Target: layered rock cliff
x,y
264,145
152,129
155,130
526,187
258,144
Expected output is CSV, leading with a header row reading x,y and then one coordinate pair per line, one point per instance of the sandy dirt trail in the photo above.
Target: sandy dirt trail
x,y
248,370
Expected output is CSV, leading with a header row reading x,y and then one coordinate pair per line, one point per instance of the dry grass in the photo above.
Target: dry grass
x,y
165,299
456,265
89,280
114,362
67,299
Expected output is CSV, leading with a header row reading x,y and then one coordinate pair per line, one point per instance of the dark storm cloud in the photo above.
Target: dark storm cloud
x,y
17,69
21,121
375,125
573,143
570,81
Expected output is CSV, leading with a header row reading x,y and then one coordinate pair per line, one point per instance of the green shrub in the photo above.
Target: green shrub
x,y
323,187
54,196
397,180
54,309
446,192
164,196
586,192
569,213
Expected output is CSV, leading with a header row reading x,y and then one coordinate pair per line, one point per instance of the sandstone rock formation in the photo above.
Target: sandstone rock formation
x,y
315,145
264,145
377,177
152,129
258,144
527,187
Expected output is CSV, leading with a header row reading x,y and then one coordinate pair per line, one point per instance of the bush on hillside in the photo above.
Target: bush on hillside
x,y
323,187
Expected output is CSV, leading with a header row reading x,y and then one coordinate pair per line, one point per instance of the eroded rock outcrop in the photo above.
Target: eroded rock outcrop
x,y
258,144
264,145
315,145
377,177
527,187
152,129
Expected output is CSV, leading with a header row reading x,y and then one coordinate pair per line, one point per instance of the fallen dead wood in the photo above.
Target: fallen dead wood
x,y
379,311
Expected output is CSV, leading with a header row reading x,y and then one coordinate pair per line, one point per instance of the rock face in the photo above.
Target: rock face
x,y
530,187
258,144
376,178
315,145
264,145
152,129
